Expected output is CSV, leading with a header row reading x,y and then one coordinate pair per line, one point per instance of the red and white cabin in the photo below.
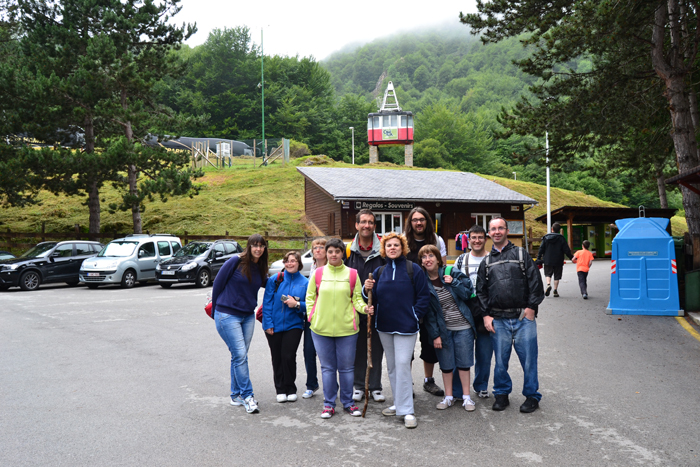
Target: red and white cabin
x,y
391,125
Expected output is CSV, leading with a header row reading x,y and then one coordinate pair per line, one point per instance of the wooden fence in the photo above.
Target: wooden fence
x,y
12,241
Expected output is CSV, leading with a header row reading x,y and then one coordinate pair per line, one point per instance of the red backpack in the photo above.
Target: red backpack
x,y
278,281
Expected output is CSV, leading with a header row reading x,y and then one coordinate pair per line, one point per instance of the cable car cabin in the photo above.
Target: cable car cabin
x,y
390,128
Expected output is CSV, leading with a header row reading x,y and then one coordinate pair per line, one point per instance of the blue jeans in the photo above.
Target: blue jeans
x,y
337,356
310,358
457,350
237,332
483,352
521,335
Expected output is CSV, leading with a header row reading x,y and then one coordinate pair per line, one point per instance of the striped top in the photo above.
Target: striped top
x,y
454,320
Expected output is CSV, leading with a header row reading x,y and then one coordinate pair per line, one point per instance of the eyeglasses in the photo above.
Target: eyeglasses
x,y
498,229
291,260
319,247
420,220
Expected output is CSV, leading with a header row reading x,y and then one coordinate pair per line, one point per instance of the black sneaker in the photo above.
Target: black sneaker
x,y
432,388
556,294
585,296
530,405
501,402
546,292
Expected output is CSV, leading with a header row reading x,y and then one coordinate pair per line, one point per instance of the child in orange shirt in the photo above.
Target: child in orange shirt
x,y
583,259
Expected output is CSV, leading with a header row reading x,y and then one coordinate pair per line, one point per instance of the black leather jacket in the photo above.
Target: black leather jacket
x,y
507,291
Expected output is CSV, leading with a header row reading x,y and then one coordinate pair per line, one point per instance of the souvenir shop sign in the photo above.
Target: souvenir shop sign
x,y
383,205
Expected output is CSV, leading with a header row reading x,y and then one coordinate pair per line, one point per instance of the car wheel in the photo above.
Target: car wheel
x,y
92,286
73,283
203,278
129,278
30,280
165,286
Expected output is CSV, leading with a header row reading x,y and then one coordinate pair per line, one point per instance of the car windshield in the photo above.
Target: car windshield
x,y
193,249
118,249
39,251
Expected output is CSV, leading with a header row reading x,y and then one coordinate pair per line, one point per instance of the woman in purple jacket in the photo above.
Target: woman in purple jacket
x,y
233,299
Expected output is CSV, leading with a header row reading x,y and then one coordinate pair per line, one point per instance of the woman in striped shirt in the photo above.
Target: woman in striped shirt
x,y
449,322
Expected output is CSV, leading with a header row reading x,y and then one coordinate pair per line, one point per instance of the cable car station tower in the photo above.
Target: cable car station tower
x,y
391,126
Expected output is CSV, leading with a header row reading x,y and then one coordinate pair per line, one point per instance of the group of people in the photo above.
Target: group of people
x,y
464,315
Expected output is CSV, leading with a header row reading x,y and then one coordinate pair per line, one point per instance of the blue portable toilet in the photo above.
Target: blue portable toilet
x,y
643,279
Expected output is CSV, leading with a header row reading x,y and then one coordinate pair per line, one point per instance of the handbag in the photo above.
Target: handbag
x,y
259,309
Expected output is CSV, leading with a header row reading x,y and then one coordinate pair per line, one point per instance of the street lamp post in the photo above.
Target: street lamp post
x,y
549,202
353,144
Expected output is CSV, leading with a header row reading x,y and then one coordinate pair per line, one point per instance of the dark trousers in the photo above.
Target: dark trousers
x,y
582,278
283,348
375,374
310,358
427,350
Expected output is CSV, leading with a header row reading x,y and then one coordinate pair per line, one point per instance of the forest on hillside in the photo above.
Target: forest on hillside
x,y
456,86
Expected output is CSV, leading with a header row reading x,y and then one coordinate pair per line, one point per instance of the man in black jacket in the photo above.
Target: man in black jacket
x,y
553,249
509,288
364,257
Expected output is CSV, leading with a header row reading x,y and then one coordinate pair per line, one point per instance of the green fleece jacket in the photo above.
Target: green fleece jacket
x,y
332,313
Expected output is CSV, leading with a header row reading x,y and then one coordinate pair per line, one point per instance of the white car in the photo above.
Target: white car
x,y
307,260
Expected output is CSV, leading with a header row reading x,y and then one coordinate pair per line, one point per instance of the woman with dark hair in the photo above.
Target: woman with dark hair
x,y
450,323
335,297
233,299
284,309
401,298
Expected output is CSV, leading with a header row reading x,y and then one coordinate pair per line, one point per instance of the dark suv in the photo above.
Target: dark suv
x,y
47,262
197,262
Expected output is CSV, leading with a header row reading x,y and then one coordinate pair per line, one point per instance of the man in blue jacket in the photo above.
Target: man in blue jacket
x,y
364,257
509,288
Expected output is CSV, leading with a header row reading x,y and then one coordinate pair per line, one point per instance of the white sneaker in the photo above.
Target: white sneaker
x,y
483,394
410,421
309,393
291,397
469,404
281,398
378,396
446,402
389,411
357,395
251,406
236,401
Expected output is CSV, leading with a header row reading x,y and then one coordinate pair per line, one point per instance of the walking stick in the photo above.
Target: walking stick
x,y
369,351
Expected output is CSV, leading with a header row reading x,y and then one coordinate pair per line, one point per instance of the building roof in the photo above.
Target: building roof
x,y
687,179
608,215
410,185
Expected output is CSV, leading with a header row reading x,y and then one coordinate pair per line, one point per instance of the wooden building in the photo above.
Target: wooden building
x,y
455,200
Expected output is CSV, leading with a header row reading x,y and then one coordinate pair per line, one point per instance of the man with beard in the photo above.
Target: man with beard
x,y
419,231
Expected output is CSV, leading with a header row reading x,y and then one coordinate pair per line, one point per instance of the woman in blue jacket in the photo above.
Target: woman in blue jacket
x,y
449,323
233,299
401,297
284,308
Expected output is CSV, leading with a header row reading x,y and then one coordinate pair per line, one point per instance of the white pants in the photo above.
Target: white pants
x,y
398,350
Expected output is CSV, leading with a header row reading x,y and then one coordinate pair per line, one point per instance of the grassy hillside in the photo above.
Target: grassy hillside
x,y
244,200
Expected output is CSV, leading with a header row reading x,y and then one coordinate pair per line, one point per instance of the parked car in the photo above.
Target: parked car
x,y
6,255
307,260
197,262
129,260
47,262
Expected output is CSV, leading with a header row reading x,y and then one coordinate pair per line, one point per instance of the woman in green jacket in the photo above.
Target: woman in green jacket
x,y
334,298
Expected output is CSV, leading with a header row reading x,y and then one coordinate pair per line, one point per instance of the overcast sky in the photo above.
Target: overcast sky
x,y
318,28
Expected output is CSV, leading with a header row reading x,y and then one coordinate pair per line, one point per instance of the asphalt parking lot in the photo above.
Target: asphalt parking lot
x,y
140,377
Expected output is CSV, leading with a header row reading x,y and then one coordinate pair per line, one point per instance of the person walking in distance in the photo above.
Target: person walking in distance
x,y
553,249
510,289
468,263
419,231
365,257
584,260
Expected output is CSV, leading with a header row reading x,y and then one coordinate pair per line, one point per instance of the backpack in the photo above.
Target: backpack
x,y
318,274
519,261
278,281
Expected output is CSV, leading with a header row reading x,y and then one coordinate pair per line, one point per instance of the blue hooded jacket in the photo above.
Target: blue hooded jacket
x,y
398,307
461,289
276,314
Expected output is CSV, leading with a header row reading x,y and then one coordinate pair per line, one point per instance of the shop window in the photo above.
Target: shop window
x,y
388,222
483,219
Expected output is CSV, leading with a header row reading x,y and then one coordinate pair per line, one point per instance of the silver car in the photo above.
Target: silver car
x,y
129,260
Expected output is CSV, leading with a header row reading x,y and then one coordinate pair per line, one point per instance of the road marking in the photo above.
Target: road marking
x,y
688,327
